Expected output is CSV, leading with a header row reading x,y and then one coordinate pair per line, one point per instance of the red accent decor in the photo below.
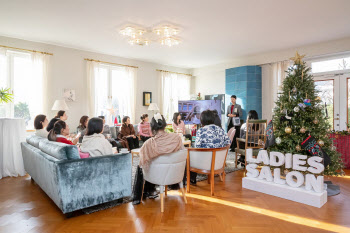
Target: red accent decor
x,y
342,142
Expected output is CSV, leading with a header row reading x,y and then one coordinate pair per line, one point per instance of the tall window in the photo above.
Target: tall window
x,y
114,92
22,73
174,87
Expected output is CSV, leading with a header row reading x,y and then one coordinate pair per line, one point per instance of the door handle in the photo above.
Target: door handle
x,y
336,119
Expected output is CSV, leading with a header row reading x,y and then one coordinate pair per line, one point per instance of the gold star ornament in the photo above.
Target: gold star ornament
x,y
298,58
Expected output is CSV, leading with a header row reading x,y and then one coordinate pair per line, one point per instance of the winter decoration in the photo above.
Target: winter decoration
x,y
307,102
278,140
298,148
315,121
302,130
296,109
302,106
315,149
320,142
288,130
294,90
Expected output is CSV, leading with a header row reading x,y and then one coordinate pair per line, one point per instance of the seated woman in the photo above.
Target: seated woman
x,y
128,133
145,128
59,132
82,126
61,115
209,136
252,115
162,143
179,125
107,132
94,142
40,124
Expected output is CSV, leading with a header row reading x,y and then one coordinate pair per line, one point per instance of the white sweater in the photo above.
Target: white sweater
x,y
96,145
42,133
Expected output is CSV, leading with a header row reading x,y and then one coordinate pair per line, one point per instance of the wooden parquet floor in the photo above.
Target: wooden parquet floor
x,y
24,207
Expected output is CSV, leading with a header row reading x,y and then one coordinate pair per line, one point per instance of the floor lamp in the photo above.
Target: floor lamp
x,y
153,107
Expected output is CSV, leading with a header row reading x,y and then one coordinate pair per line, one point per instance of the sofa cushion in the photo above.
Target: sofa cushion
x,y
34,140
59,150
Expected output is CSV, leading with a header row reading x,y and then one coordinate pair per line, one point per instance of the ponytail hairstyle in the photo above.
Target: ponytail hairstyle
x,y
158,123
57,129
60,113
143,117
38,121
82,121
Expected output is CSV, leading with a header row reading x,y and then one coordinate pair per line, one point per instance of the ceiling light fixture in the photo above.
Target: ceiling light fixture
x,y
165,34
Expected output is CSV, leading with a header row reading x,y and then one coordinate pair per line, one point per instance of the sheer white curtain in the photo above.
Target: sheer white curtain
x,y
173,87
131,74
92,71
41,63
273,76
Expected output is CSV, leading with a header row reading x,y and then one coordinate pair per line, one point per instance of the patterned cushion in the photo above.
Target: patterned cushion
x,y
59,150
34,140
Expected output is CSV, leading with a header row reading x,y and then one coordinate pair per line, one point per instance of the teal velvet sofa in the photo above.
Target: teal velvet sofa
x,y
73,183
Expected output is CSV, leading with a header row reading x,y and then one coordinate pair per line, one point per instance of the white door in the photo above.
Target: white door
x,y
334,94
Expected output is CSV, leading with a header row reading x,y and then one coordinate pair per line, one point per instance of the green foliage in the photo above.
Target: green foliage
x,y
298,77
5,95
169,129
22,111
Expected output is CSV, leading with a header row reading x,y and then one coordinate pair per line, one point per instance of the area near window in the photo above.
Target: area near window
x,y
22,73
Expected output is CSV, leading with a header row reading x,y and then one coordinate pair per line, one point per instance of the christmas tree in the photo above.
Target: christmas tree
x,y
300,124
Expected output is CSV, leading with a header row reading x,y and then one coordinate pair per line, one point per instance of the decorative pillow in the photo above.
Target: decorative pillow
x,y
34,140
83,155
59,150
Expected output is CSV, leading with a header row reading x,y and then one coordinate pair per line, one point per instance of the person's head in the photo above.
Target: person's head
x,y
40,122
83,121
252,115
95,125
233,99
126,120
177,118
60,127
217,120
144,118
207,117
103,119
61,115
158,123
215,112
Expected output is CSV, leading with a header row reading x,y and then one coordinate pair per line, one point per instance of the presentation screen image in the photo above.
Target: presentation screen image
x,y
190,110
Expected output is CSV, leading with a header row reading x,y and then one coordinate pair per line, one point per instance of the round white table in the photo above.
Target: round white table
x,y
12,133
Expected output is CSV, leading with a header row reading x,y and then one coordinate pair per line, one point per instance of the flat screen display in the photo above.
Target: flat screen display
x,y
190,110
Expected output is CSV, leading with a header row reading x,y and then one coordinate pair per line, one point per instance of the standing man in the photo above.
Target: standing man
x,y
233,110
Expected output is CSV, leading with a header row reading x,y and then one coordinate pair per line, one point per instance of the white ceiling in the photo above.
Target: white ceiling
x,y
214,31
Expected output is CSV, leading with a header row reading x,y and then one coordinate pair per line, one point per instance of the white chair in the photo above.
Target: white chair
x,y
231,133
209,161
166,170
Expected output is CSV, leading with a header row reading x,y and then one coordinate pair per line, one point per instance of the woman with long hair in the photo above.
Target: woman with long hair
x,y
94,142
59,133
40,124
179,125
160,144
61,115
128,133
145,128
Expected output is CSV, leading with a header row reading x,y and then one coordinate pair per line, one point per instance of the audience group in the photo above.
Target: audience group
x,y
94,137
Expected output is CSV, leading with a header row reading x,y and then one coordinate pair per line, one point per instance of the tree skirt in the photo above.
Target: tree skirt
x,y
230,167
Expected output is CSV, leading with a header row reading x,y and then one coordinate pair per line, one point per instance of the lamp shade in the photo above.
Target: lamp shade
x,y
60,105
153,107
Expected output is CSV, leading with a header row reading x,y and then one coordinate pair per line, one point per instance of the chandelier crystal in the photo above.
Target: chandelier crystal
x,y
164,34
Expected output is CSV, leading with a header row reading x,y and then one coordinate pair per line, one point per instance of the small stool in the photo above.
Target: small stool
x,y
134,152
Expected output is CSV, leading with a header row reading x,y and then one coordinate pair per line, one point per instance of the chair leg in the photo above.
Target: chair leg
x,y
183,191
236,159
221,179
143,187
212,183
162,198
209,179
223,176
188,180
166,190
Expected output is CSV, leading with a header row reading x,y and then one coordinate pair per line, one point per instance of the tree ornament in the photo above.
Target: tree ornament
x,y
296,109
278,140
294,90
333,148
298,58
302,130
307,102
315,121
318,98
298,148
288,130
320,142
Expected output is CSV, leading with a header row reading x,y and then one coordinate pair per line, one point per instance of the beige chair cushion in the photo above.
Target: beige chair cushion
x,y
202,159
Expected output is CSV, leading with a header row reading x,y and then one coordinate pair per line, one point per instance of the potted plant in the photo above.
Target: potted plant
x,y
5,95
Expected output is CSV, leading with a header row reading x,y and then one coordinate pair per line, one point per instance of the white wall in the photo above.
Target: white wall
x,y
68,70
211,79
